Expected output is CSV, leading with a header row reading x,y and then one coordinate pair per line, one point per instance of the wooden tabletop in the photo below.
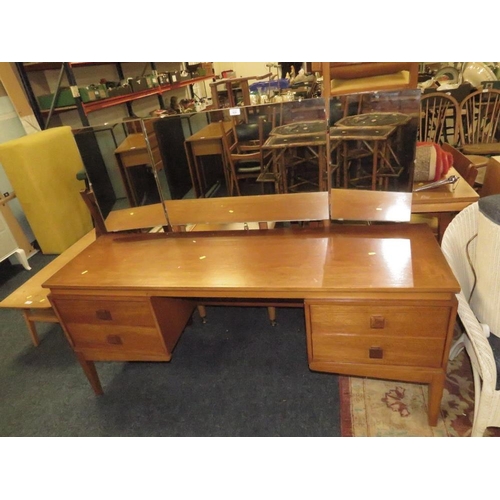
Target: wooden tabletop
x,y
31,295
209,132
131,142
313,127
447,198
376,119
288,263
362,133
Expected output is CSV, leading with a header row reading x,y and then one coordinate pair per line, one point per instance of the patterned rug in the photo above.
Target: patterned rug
x,y
385,408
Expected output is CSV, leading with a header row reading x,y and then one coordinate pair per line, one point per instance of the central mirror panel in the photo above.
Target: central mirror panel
x,y
359,141
241,151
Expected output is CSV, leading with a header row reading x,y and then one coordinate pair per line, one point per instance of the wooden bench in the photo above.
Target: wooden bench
x,y
32,299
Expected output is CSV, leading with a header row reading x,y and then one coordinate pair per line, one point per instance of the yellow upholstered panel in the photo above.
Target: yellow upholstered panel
x,y
392,81
42,169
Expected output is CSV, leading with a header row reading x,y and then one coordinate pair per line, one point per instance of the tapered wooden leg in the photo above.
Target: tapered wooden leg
x,y
202,312
436,388
31,328
272,315
91,373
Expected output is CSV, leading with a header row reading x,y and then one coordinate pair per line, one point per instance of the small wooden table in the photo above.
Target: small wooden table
x,y
310,135
375,140
132,152
207,141
444,201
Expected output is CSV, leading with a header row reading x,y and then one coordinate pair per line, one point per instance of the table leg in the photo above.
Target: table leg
x,y
126,181
31,327
436,388
444,218
323,171
375,166
345,164
193,170
91,373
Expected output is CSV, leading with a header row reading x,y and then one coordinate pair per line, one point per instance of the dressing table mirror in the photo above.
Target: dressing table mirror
x,y
373,139
360,141
123,173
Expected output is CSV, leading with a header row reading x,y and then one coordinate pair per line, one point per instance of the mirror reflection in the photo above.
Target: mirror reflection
x,y
359,141
373,138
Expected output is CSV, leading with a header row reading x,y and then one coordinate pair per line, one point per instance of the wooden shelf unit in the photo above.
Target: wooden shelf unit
x,y
84,108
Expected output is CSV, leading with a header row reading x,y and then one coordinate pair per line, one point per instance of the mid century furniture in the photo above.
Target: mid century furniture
x,y
444,202
379,300
31,299
138,149
370,206
456,239
245,213
42,169
131,153
205,142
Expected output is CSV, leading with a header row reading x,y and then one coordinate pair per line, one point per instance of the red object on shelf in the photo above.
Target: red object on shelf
x,y
438,161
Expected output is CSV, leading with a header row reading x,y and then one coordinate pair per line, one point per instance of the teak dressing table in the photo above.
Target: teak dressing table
x,y
379,300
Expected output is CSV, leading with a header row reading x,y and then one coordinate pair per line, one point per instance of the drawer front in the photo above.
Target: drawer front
x,y
111,325
376,350
106,311
370,318
378,332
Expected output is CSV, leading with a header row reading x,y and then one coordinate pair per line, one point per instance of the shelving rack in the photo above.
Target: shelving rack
x,y
84,108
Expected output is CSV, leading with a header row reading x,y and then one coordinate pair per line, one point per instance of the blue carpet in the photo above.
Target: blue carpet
x,y
236,375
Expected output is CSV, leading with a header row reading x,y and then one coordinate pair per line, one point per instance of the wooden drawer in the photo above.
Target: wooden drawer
x,y
121,326
377,349
378,333
380,318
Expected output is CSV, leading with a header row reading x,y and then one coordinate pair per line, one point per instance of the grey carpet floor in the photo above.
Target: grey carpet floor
x,y
236,375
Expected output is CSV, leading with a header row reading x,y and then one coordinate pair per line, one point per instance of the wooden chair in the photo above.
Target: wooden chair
x,y
247,213
479,125
462,164
439,114
491,182
243,161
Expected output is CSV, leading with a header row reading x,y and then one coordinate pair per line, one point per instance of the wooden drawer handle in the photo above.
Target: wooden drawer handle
x,y
114,339
103,314
376,353
377,321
